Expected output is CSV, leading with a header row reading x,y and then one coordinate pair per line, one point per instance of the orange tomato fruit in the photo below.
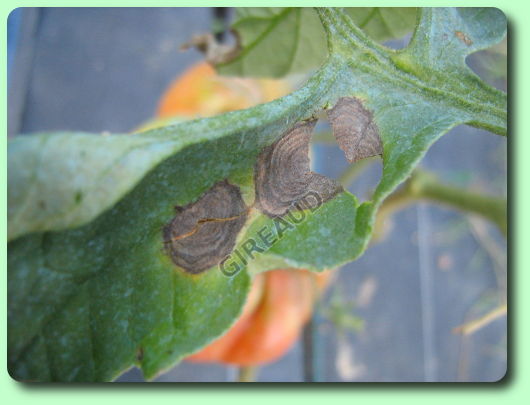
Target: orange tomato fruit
x,y
279,304
200,92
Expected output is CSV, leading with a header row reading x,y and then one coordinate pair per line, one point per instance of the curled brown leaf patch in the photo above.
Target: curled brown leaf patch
x,y
354,129
282,174
214,52
202,233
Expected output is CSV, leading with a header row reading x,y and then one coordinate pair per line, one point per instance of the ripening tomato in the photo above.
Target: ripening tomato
x,y
279,304
201,92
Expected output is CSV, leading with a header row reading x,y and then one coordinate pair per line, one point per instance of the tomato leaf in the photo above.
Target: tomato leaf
x,y
92,288
279,41
384,23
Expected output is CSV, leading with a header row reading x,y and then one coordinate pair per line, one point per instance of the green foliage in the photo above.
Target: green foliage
x,y
383,23
279,41
91,289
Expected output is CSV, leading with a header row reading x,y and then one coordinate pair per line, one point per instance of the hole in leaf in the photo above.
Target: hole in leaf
x,y
491,65
327,158
399,43
283,175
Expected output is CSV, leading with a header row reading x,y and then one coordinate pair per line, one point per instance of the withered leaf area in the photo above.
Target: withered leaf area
x,y
202,233
354,129
282,174
215,53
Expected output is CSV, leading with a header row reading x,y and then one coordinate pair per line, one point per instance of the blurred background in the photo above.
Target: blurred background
x,y
390,316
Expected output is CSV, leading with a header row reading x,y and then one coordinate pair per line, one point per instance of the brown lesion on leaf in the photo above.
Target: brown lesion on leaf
x,y
354,129
464,38
202,233
282,173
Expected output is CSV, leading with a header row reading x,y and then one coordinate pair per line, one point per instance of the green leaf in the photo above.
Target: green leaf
x,y
276,42
279,41
91,288
89,173
383,23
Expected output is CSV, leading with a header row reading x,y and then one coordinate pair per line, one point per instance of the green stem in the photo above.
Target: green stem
x,y
425,186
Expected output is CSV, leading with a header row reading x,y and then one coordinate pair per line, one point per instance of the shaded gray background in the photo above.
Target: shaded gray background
x,y
94,69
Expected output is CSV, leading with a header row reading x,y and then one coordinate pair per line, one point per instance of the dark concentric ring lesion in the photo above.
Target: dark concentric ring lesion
x,y
202,233
283,175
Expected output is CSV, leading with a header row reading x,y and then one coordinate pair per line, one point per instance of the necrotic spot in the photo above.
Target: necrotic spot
x,y
204,232
283,176
354,129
